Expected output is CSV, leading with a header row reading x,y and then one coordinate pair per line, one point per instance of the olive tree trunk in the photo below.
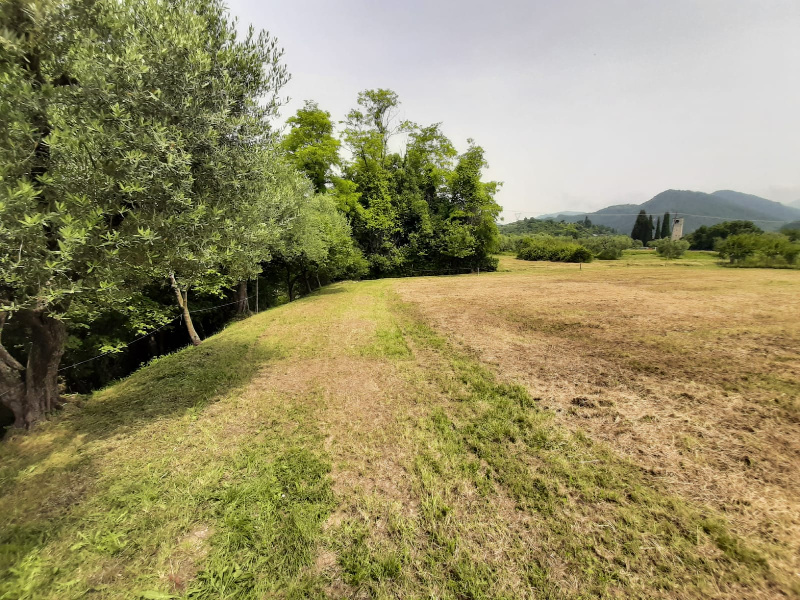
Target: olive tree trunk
x,y
289,284
31,391
242,302
183,304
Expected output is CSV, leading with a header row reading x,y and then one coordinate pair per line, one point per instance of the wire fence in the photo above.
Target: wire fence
x,y
146,335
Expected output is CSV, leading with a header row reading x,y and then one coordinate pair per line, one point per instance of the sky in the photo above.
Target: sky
x,y
578,104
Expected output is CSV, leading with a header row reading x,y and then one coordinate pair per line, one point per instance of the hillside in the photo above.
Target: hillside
x,y
531,226
567,213
776,210
541,432
697,208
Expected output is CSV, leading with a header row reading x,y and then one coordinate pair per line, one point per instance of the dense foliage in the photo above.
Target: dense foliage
x,y
759,250
532,226
669,248
792,230
607,247
134,151
706,238
643,228
553,249
424,208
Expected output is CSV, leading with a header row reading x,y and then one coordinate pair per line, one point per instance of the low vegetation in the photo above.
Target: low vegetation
x,y
553,249
772,250
669,248
707,237
608,247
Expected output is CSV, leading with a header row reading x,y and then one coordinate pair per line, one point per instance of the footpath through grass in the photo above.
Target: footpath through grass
x,y
339,447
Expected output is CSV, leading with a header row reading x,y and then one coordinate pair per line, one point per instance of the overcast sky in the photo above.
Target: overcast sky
x,y
578,103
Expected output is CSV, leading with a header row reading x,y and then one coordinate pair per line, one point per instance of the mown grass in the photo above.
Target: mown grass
x,y
147,492
580,522
630,258
200,477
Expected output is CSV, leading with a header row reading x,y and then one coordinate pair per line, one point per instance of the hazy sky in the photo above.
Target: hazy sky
x,y
578,104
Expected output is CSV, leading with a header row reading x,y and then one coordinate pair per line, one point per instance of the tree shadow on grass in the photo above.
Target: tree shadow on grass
x,y
189,379
328,290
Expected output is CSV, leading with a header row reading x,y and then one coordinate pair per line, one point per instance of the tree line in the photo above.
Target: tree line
x,y
646,230
140,172
421,208
744,244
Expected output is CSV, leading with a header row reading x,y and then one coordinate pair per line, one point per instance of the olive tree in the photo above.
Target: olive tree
x,y
129,129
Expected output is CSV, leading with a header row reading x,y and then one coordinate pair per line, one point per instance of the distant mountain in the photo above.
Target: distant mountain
x,y
567,213
778,210
795,204
697,208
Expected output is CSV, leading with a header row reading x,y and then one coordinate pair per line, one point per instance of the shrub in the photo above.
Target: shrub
x,y
553,249
776,245
706,237
759,250
670,248
607,247
792,230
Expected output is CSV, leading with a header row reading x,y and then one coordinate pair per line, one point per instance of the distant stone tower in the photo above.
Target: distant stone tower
x,y
677,229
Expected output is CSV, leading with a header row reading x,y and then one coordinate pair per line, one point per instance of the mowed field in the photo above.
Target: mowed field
x,y
623,429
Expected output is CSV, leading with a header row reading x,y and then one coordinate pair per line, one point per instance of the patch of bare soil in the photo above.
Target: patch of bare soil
x,y
184,563
694,375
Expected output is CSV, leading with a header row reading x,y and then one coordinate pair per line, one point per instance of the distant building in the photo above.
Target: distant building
x,y
677,228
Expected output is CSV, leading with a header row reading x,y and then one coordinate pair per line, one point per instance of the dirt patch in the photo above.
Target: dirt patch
x,y
691,374
185,561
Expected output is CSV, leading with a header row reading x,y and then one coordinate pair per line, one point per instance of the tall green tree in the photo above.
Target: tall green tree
x,y
643,227
424,208
706,238
317,241
374,218
657,230
311,145
471,231
666,226
126,125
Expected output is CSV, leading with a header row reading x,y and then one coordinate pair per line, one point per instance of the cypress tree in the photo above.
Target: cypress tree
x,y
666,230
641,227
649,226
657,233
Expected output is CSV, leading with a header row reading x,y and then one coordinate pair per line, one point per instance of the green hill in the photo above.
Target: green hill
x,y
775,210
531,226
697,209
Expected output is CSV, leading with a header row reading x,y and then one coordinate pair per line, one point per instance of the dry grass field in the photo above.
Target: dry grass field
x,y
624,429
693,374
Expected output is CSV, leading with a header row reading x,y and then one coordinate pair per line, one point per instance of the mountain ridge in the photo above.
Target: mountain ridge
x,y
696,208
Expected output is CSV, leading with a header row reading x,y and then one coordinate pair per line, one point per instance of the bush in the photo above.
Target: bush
x,y
759,250
706,237
553,249
607,247
670,248
792,231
